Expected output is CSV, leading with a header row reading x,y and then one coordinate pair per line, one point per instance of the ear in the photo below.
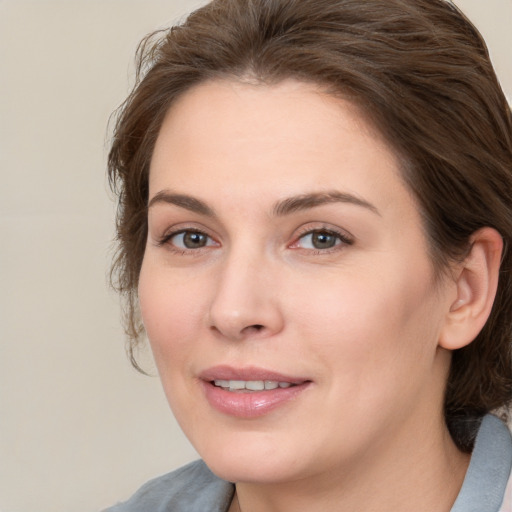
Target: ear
x,y
476,283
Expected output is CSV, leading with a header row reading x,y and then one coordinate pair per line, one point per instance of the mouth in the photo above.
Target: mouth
x,y
250,392
250,386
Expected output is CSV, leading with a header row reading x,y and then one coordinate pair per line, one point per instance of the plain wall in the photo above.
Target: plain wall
x,y
79,428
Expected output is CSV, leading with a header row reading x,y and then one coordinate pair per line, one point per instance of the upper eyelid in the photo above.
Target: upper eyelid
x,y
305,230
178,231
180,227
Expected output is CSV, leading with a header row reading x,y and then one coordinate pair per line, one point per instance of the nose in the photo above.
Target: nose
x,y
245,302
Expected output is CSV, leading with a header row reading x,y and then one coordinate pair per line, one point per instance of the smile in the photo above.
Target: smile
x,y
250,392
250,385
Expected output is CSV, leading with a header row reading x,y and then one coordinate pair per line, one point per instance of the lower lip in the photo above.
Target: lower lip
x,y
250,404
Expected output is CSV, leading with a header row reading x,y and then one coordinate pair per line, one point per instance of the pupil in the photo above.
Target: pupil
x,y
194,240
323,240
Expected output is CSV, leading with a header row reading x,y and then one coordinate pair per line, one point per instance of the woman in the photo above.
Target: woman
x,y
315,221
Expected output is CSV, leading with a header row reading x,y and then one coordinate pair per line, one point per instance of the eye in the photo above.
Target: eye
x,y
322,239
189,240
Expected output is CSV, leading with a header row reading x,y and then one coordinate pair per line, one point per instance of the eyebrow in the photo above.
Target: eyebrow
x,y
281,208
307,201
183,201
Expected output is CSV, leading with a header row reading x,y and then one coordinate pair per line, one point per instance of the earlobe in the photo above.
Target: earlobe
x,y
476,285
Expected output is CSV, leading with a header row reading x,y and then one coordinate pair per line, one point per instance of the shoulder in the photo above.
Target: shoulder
x,y
192,488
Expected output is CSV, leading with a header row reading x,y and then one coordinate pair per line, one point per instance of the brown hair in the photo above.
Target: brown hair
x,y
420,71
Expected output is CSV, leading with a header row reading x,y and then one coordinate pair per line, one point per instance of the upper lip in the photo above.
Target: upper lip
x,y
247,373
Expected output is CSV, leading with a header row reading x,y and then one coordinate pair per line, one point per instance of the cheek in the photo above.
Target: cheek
x,y
173,309
171,312
372,323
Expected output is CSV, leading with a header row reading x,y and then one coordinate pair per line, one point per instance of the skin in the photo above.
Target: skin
x,y
362,320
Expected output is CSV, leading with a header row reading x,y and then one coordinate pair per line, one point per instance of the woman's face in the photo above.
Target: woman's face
x,y
285,253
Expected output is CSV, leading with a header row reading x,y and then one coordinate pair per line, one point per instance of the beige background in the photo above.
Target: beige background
x,y
79,429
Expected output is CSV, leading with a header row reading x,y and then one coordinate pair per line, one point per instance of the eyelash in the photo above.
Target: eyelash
x,y
342,239
166,241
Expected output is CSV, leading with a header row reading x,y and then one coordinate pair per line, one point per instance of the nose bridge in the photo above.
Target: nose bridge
x,y
244,303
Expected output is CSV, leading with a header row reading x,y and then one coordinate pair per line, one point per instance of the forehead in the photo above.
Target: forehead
x,y
283,139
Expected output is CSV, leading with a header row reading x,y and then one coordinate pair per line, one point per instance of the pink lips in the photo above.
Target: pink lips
x,y
249,404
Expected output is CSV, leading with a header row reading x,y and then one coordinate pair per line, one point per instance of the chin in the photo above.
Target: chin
x,y
252,461
251,471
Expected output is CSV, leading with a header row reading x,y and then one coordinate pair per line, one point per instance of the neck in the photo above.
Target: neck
x,y
415,474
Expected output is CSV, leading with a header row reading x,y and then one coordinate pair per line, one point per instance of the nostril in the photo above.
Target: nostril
x,y
255,327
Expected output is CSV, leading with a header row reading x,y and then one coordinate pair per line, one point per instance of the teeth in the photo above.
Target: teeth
x,y
250,385
255,385
236,384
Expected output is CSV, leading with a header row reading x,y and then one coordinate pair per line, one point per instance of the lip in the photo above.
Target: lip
x,y
225,372
253,404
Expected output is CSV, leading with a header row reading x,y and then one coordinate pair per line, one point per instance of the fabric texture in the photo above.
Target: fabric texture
x,y
192,488
487,486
